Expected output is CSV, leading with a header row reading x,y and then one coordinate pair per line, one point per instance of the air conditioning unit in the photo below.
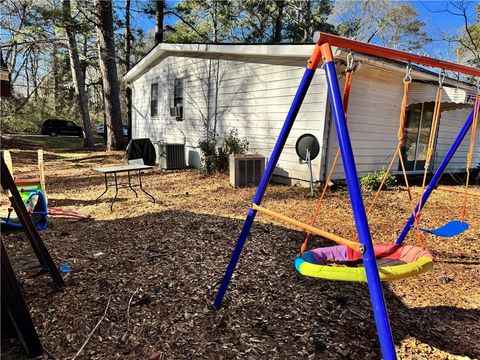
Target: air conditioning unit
x,y
176,111
246,170
172,156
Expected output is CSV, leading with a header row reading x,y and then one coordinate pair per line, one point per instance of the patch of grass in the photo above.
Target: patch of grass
x,y
58,143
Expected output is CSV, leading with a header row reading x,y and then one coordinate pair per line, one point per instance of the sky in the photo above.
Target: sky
x,y
441,22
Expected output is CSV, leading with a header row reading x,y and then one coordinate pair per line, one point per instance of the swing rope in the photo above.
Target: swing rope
x,y
430,149
346,95
401,137
476,110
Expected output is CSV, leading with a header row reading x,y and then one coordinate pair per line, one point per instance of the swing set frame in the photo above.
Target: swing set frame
x,y
323,53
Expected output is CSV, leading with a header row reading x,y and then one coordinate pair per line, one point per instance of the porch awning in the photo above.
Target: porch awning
x,y
452,97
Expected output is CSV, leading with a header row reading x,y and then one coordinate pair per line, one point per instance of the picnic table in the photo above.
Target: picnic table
x,y
118,169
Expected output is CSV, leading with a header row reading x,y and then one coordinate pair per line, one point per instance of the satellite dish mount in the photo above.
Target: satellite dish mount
x,y
308,148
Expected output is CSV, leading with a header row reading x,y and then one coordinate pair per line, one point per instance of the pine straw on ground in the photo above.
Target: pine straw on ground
x,y
166,260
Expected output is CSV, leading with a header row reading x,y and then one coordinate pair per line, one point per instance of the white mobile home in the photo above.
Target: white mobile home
x,y
181,90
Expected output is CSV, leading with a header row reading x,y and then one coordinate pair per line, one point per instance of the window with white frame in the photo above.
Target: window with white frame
x,y
178,98
154,99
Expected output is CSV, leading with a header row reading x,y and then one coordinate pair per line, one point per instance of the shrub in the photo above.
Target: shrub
x,y
235,145
216,158
373,180
209,154
222,162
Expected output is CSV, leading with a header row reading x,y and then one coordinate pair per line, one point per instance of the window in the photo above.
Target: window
x,y
178,93
178,98
154,100
417,133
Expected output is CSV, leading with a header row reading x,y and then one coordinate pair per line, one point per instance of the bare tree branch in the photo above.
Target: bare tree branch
x,y
25,101
186,23
95,328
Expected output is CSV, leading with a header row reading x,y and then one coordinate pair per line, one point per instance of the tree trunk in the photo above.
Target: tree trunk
x,y
307,31
85,55
55,77
277,36
128,47
34,69
27,79
108,68
215,22
77,76
159,7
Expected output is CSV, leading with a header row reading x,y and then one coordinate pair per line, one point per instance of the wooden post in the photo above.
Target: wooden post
x,y
8,160
41,173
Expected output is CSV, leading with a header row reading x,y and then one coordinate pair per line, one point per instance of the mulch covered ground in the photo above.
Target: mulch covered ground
x,y
157,267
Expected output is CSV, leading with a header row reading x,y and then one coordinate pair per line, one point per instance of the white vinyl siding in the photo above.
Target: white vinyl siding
x,y
372,119
450,124
252,98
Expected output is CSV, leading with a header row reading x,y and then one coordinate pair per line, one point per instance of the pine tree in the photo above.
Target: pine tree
x,y
77,75
108,68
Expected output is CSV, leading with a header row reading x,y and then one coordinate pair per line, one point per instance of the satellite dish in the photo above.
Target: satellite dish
x,y
307,143
308,148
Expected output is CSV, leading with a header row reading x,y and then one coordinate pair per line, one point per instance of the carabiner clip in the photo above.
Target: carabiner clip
x,y
441,77
408,78
349,67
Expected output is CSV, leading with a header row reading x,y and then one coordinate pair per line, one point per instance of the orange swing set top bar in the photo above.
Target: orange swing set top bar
x,y
389,53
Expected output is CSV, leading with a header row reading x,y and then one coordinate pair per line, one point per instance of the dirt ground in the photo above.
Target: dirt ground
x,y
158,266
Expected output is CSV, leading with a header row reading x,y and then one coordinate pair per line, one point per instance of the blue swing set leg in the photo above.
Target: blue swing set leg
x,y
267,175
358,208
374,285
438,174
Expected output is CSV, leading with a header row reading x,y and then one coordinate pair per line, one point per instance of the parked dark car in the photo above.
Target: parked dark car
x,y
54,127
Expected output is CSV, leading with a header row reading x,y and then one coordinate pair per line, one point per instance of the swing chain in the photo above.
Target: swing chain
x,y
408,77
441,77
350,58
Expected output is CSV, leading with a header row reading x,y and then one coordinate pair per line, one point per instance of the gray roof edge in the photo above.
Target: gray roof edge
x,y
300,51
162,50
